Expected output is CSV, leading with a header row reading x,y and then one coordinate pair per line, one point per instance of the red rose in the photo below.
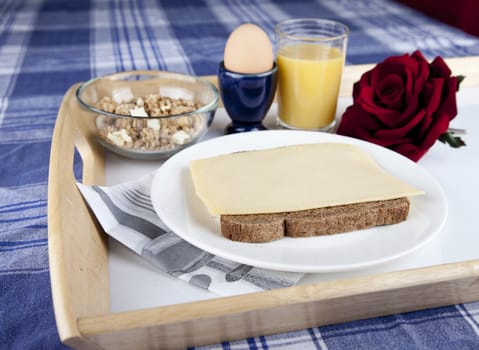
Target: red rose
x,y
404,103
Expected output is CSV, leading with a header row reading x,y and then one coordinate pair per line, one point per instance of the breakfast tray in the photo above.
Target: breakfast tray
x,y
78,253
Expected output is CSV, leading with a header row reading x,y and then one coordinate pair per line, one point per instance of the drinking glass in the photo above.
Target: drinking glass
x,y
310,55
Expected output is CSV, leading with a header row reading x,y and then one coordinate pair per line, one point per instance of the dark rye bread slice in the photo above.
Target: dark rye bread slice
x,y
258,228
345,218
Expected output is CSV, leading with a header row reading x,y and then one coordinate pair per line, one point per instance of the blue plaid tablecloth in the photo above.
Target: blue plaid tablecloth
x,y
47,45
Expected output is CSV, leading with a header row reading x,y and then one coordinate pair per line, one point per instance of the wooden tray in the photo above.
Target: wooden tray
x,y
78,254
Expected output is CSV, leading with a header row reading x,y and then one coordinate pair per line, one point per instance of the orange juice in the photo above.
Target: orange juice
x,y
309,76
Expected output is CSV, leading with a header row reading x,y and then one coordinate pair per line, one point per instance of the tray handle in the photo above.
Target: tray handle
x,y
78,252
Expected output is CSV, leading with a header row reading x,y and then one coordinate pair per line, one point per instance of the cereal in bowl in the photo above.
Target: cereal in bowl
x,y
148,133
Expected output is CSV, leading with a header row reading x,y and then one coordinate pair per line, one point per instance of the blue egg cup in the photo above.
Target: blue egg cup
x,y
246,97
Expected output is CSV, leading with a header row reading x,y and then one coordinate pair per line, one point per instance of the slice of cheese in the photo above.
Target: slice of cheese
x,y
293,178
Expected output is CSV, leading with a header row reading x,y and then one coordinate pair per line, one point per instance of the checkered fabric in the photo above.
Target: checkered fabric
x,y
47,45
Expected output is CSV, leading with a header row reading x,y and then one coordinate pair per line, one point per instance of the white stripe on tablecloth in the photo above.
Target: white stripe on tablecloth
x,y
470,312
13,53
139,38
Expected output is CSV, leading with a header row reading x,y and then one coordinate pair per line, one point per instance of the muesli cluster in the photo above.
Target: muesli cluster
x,y
146,133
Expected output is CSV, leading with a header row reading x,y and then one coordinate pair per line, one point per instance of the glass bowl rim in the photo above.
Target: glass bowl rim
x,y
153,73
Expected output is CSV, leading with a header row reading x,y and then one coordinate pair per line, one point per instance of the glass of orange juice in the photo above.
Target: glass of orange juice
x,y
310,55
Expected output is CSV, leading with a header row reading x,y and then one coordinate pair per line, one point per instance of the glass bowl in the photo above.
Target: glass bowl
x,y
148,114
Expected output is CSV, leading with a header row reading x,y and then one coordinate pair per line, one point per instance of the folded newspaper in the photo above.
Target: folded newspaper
x,y
126,213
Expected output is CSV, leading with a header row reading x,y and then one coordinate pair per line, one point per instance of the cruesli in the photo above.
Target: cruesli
x,y
148,133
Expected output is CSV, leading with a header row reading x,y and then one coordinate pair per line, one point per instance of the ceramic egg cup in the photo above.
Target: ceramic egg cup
x,y
246,97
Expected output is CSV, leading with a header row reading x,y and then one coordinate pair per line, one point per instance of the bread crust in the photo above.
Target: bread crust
x,y
259,228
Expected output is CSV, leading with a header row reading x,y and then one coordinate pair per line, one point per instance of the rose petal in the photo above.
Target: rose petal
x,y
366,100
382,70
417,55
410,151
390,142
420,74
449,103
439,126
412,103
355,122
401,132
359,124
417,85
439,69
363,83
422,65
411,66
389,92
424,126
447,107
411,95
416,80
432,93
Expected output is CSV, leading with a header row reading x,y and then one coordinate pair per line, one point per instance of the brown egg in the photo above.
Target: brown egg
x,y
248,50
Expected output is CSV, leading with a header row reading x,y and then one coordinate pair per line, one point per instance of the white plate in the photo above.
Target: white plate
x,y
176,204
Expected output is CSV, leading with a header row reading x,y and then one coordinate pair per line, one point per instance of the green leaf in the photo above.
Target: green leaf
x,y
460,79
453,141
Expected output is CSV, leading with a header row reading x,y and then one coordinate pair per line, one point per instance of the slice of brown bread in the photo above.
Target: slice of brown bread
x,y
258,228
253,228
